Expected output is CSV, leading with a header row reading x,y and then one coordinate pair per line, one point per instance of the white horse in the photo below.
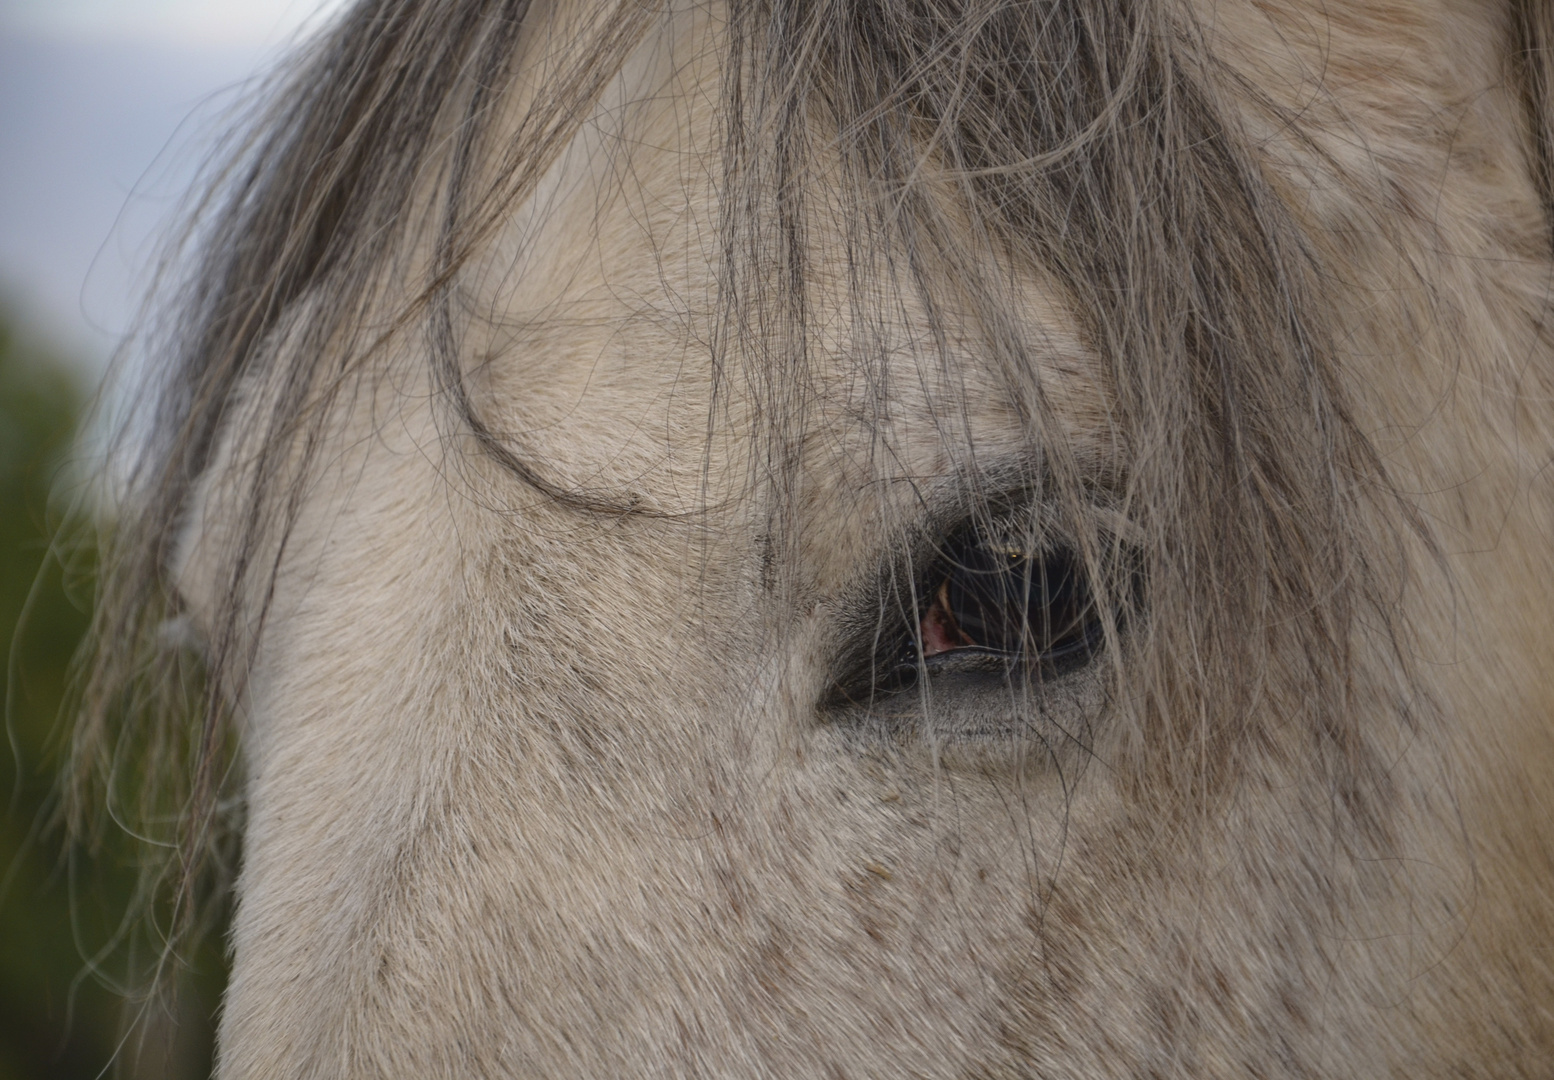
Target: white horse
x,y
865,538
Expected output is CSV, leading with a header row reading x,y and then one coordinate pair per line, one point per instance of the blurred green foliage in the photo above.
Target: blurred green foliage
x,y
64,906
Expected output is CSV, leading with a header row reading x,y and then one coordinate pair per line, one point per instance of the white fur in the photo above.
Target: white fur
x,y
535,793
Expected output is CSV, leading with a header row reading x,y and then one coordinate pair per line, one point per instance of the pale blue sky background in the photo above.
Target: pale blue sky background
x,y
190,22
106,107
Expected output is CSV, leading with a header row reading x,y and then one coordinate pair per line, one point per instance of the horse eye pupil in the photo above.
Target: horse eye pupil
x,y
1006,601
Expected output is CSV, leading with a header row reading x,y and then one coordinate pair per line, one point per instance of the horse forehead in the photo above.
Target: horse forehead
x,y
603,309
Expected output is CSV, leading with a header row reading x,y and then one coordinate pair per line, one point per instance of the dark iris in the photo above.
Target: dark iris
x,y
1001,600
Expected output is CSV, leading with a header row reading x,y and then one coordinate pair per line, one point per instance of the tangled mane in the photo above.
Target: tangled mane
x,y
1090,141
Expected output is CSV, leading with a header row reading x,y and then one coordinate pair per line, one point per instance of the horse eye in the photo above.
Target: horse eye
x,y
995,599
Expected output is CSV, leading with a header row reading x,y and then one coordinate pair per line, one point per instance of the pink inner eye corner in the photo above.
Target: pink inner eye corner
x,y
940,632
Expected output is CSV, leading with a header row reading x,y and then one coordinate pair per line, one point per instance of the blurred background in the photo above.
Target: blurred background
x,y
107,109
